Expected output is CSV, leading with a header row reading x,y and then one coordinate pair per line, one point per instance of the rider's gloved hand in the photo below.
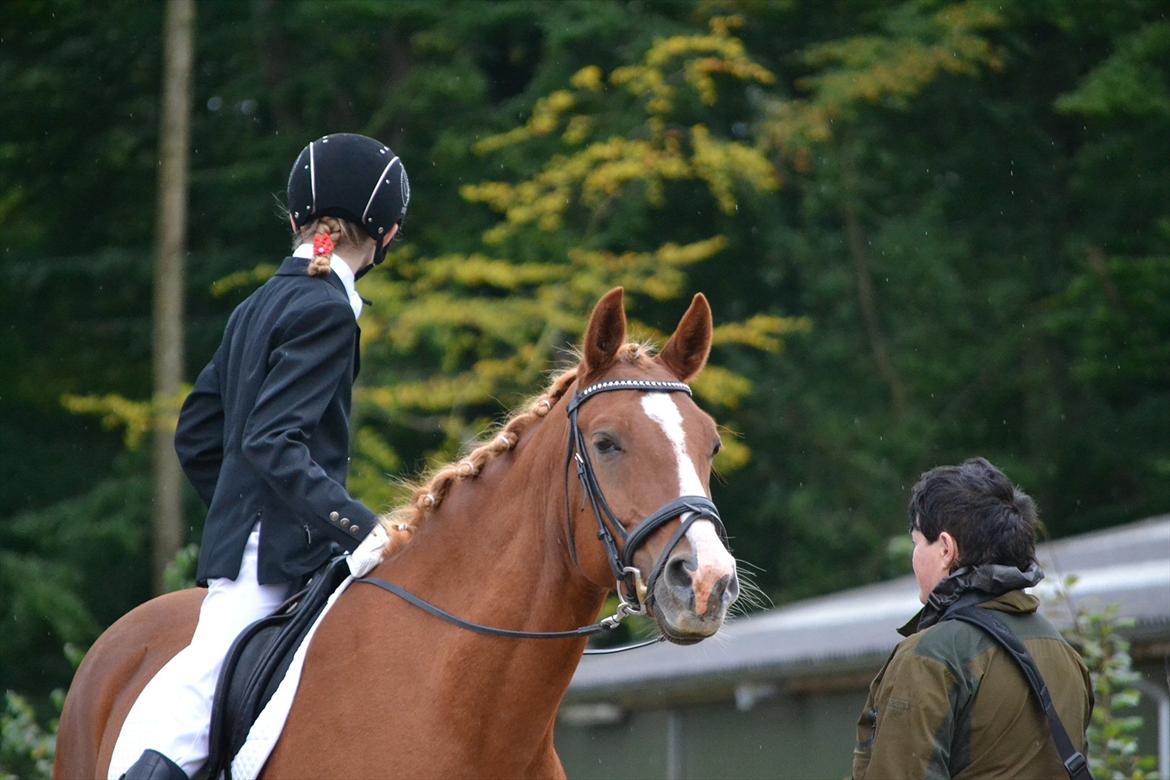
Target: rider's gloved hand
x,y
369,553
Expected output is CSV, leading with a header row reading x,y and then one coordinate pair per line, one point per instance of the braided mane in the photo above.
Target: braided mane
x,y
426,495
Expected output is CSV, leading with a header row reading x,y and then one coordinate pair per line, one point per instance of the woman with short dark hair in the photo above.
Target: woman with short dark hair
x,y
950,700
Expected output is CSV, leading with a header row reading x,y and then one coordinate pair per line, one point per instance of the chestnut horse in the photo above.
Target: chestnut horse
x,y
390,691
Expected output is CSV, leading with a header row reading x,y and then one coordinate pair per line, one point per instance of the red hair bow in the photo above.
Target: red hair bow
x,y
322,245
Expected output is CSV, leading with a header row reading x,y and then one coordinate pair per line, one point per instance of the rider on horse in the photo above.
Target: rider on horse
x,y
264,439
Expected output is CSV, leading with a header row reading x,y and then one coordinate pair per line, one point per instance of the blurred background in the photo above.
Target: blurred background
x,y
928,229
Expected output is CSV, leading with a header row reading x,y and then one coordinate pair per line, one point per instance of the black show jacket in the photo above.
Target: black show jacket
x,y
264,434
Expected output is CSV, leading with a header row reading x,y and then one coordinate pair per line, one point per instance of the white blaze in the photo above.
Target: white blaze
x,y
705,541
661,408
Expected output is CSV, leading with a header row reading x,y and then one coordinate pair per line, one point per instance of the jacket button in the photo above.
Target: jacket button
x,y
355,530
345,522
333,517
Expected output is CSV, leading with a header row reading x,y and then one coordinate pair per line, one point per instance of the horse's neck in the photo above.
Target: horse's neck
x,y
497,545
494,554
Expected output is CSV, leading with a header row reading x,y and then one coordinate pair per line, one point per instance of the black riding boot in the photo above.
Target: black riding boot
x,y
153,765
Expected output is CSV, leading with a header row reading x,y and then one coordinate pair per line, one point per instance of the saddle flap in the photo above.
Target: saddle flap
x,y
257,662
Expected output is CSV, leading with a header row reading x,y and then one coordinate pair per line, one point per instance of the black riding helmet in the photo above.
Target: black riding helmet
x,y
353,177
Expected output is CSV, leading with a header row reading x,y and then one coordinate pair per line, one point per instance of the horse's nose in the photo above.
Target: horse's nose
x,y
700,589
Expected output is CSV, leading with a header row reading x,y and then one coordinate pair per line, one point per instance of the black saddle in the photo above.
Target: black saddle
x,y
257,662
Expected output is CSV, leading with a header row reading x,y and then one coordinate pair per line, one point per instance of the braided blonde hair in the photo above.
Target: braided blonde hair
x,y
344,235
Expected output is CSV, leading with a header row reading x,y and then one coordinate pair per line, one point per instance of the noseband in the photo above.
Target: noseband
x,y
634,594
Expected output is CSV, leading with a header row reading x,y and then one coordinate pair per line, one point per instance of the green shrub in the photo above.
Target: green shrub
x,y
1113,746
26,747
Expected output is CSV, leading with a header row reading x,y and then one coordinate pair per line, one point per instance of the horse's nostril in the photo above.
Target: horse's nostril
x,y
732,592
718,593
678,572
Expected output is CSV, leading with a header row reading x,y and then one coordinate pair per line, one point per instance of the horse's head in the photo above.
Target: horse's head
x,y
644,449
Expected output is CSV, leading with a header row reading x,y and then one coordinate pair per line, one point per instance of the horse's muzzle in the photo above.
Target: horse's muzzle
x,y
690,601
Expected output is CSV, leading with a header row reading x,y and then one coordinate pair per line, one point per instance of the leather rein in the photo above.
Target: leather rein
x,y
633,594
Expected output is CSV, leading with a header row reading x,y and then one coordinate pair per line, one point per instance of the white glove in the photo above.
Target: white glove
x,y
369,553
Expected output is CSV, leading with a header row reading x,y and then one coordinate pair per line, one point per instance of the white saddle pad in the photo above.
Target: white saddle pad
x,y
248,762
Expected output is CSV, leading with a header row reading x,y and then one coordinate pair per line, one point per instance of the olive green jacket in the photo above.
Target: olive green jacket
x,y
951,703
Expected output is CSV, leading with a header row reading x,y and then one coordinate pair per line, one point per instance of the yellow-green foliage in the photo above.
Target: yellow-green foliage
x,y
480,271
639,162
546,117
376,469
137,418
725,387
734,454
702,56
604,142
764,332
437,394
456,338
889,69
242,279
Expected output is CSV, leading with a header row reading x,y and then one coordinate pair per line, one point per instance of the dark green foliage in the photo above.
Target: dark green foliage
x,y
66,571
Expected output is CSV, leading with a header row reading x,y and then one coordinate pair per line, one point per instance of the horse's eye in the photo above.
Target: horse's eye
x,y
718,446
605,444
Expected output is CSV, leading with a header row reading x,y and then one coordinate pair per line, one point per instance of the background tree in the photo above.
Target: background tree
x,y
169,275
615,178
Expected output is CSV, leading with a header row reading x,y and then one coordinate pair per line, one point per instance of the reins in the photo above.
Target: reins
x,y
633,594
605,624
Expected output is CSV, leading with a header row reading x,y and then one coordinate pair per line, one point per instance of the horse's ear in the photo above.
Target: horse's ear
x,y
686,352
605,334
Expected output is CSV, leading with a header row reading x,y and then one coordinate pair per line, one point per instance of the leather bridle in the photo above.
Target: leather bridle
x,y
633,594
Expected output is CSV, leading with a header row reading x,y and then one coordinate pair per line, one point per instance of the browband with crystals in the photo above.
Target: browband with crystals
x,y
652,385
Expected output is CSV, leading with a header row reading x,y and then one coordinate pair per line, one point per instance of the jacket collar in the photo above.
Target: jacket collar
x,y
974,585
299,266
341,268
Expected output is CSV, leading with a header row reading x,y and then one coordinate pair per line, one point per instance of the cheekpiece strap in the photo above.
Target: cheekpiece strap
x,y
648,385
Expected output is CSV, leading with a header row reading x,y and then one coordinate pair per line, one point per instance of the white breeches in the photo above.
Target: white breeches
x,y
173,713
